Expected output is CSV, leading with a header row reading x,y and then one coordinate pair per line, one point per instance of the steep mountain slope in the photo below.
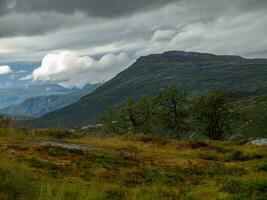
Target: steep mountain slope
x,y
194,72
9,96
38,106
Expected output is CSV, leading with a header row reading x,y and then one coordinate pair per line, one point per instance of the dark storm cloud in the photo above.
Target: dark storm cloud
x,y
253,4
39,17
33,28
97,8
111,8
18,24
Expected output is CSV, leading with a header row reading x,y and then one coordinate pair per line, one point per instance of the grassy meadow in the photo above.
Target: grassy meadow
x,y
127,167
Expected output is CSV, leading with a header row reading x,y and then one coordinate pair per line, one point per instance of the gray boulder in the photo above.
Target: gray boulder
x,y
259,142
235,137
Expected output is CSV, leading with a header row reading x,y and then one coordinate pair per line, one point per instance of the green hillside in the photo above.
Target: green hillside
x,y
193,72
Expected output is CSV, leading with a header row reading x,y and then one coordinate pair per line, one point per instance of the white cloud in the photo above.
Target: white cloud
x,y
5,69
69,69
163,35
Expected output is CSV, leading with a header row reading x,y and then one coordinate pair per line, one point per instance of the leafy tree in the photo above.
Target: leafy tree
x,y
140,114
133,117
172,110
213,114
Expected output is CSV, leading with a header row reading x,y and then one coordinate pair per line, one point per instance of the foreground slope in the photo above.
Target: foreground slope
x,y
36,166
194,72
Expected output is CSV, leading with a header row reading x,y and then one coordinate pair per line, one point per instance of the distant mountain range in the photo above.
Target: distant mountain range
x,y
10,96
41,105
193,72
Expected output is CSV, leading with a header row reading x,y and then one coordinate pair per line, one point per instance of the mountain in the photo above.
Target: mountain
x,y
41,105
10,96
191,71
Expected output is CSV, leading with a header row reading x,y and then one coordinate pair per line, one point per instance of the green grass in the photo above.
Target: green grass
x,y
128,167
246,189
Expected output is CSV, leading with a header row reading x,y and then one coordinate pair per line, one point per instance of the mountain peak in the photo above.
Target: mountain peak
x,y
183,53
187,54
184,56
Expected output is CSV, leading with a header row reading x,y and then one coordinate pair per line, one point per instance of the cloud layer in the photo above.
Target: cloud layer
x,y
31,29
5,69
103,8
222,36
69,69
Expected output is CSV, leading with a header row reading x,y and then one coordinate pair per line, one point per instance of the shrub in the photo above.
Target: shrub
x,y
197,144
240,156
261,167
208,157
248,189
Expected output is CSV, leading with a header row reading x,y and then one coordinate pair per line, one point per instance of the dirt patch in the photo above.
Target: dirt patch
x,y
80,147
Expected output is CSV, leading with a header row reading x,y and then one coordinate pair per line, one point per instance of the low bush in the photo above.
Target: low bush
x,y
197,144
261,167
208,157
247,189
241,156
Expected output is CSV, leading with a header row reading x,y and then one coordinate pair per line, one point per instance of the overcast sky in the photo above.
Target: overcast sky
x,y
75,42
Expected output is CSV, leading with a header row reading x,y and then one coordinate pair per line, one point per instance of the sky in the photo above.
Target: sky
x,y
75,42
